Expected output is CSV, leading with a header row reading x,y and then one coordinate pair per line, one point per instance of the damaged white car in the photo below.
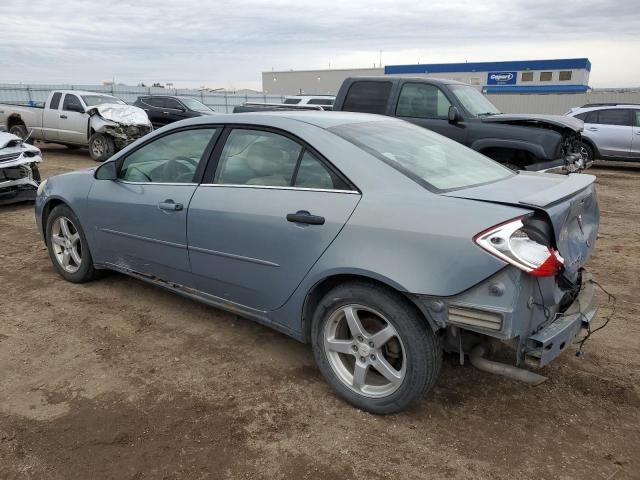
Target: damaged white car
x,y
77,118
19,174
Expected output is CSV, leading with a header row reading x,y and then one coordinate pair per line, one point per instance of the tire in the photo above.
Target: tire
x,y
101,147
412,350
82,271
35,172
586,150
21,131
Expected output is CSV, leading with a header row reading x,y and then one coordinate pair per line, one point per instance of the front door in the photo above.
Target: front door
x,y
258,226
140,219
175,111
73,123
427,105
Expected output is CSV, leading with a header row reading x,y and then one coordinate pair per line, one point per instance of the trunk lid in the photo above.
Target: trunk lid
x,y
570,201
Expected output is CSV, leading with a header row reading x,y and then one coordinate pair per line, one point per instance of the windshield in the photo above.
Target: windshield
x,y
93,100
195,105
474,101
423,155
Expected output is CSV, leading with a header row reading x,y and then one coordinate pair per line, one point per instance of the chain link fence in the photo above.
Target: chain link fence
x,y
223,102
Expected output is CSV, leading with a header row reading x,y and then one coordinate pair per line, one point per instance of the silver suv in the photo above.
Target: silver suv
x,y
611,130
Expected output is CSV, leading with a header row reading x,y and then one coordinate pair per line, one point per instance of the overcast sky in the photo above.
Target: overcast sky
x,y
229,44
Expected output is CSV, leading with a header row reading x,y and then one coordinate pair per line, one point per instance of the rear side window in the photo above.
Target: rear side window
x,y
312,173
155,101
423,101
55,101
582,116
614,116
637,115
367,97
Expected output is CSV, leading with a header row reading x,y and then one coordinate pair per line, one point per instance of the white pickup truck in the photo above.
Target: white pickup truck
x,y
77,118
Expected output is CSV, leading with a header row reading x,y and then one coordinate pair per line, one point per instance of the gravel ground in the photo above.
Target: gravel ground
x,y
116,379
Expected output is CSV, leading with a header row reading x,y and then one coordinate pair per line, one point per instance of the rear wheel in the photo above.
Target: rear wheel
x,y
374,348
67,245
101,147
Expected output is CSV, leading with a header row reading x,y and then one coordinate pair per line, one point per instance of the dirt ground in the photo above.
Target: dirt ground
x,y
120,380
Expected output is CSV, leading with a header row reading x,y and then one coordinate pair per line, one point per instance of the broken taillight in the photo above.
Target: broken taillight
x,y
509,242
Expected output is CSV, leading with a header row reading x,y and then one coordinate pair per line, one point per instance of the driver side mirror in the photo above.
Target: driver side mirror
x,y
106,171
454,115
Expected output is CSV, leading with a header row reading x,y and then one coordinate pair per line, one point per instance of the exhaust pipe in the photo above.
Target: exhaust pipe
x,y
509,371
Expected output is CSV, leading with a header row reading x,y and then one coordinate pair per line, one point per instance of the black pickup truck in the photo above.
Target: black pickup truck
x,y
460,112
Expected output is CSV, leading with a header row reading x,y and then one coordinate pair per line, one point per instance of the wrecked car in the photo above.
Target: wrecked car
x,y
380,243
77,118
548,143
19,174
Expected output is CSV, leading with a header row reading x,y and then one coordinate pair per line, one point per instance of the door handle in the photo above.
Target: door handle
x,y
63,116
302,216
166,113
170,205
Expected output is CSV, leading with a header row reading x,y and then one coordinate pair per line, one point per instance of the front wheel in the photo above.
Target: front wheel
x,y
587,152
101,147
374,348
67,245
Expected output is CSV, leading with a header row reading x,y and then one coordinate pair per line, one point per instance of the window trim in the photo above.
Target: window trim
x,y
212,165
403,84
200,168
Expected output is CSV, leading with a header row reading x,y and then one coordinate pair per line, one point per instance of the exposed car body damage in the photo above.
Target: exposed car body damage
x,y
125,123
19,175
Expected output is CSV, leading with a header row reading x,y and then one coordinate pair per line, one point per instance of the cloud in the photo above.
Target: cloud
x,y
191,42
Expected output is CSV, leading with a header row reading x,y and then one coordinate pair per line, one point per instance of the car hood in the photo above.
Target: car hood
x,y
9,140
14,152
570,202
122,114
574,124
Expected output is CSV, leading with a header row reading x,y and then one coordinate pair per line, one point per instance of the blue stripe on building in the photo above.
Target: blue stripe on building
x,y
519,65
536,89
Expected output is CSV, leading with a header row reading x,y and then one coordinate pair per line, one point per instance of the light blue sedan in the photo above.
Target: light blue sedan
x,y
378,242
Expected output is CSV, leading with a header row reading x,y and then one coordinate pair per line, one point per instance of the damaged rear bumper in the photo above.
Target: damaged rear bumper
x,y
545,345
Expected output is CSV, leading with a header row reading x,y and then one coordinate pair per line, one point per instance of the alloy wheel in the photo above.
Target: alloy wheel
x,y
98,147
67,247
365,351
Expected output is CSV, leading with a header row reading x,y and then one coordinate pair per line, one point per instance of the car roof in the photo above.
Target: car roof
x,y
322,119
398,78
86,92
607,106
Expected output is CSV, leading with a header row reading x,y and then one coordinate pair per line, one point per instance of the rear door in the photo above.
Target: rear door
x,y
140,219
611,131
260,223
51,117
428,106
73,126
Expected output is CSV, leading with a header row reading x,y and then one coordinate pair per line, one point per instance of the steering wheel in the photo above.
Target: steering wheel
x,y
176,170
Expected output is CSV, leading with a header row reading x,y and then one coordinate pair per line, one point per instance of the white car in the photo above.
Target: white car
x,y
19,174
325,101
611,131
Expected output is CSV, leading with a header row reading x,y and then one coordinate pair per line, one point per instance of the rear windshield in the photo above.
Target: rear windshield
x,y
422,155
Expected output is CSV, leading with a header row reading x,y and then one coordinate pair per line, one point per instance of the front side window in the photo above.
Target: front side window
x,y
172,158
637,112
292,101
254,157
367,97
195,105
72,103
320,101
473,101
173,103
614,116
423,101
422,155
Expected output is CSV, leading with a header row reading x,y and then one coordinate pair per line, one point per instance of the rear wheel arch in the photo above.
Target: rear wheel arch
x,y
324,286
